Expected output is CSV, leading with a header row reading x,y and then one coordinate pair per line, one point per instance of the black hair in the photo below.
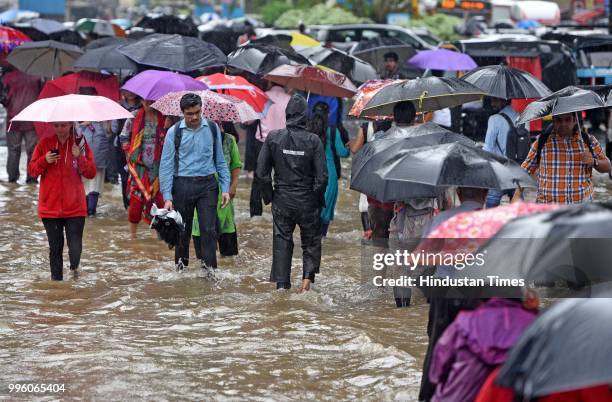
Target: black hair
x,y
318,121
190,100
87,91
391,55
472,193
404,112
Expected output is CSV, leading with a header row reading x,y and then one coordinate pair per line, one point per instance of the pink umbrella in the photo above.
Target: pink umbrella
x,y
468,231
73,108
216,107
312,79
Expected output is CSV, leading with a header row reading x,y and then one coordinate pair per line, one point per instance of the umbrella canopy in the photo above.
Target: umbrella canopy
x,y
468,231
108,41
565,348
365,92
356,69
153,84
104,58
95,26
373,51
46,58
454,164
240,88
42,25
569,244
567,100
174,53
288,41
366,164
169,24
442,59
216,107
105,85
506,82
11,38
312,79
73,108
261,59
428,94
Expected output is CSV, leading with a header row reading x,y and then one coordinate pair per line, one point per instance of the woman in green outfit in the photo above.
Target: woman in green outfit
x,y
226,229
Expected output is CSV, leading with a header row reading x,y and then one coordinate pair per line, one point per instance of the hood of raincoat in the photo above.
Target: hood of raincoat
x,y
297,111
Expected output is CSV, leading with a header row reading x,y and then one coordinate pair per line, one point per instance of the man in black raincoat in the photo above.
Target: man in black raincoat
x,y
300,178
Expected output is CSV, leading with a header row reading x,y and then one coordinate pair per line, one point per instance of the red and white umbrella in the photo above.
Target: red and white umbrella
x,y
216,107
313,80
238,87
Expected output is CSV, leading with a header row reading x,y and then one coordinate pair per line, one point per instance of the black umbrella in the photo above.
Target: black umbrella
x,y
261,59
356,69
105,58
169,24
567,100
566,348
366,164
454,164
373,51
427,94
174,52
278,40
107,41
571,246
223,36
506,82
46,58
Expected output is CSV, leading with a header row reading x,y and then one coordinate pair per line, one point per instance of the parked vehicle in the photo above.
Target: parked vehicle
x,y
345,36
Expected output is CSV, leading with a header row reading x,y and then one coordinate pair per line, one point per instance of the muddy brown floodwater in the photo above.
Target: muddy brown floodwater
x,y
130,327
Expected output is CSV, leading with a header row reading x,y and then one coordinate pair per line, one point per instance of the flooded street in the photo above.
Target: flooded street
x,y
130,327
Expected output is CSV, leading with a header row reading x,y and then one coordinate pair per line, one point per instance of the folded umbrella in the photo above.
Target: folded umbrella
x,y
356,69
312,79
45,58
153,84
174,53
427,94
506,82
567,100
366,164
442,59
454,164
261,59
566,348
216,107
104,58
11,38
73,108
239,87
168,224
365,92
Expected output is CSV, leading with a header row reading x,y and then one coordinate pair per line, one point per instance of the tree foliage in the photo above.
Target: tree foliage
x,y
319,14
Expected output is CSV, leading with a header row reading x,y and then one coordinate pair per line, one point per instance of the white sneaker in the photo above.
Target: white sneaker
x,y
180,267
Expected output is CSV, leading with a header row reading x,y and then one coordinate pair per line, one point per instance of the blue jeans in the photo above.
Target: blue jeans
x,y
494,197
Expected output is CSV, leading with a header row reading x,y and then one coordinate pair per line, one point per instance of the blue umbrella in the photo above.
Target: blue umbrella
x,y
527,24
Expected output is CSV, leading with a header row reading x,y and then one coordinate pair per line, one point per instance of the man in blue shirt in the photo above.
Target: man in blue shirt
x,y
496,139
188,181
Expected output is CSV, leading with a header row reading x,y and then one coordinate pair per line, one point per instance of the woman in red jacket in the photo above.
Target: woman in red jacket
x,y
61,202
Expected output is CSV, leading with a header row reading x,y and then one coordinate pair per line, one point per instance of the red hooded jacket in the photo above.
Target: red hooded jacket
x,y
62,194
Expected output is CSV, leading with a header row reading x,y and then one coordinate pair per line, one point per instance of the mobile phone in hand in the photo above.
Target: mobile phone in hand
x,y
55,151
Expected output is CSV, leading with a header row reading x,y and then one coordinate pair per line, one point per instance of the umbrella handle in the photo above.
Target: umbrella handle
x,y
519,188
423,95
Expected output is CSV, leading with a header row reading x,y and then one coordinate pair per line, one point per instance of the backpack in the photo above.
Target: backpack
x,y
544,137
178,136
517,141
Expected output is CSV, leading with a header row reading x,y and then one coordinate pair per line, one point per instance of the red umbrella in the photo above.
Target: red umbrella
x,y
105,85
238,87
11,38
312,79
365,92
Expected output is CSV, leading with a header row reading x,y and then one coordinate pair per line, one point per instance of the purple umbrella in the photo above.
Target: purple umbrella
x,y
153,84
442,59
